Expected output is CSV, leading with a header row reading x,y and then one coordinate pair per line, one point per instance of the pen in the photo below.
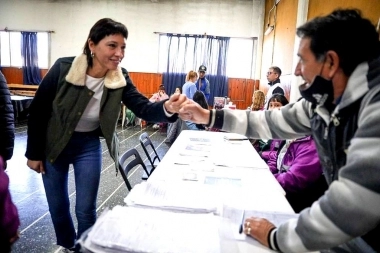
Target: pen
x,y
241,228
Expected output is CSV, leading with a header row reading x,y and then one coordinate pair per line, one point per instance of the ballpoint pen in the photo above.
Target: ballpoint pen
x,y
241,228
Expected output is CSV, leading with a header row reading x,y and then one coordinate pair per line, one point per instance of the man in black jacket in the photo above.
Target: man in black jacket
x,y
9,220
7,135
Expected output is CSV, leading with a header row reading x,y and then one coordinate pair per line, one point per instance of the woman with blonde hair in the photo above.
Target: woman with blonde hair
x,y
189,87
258,101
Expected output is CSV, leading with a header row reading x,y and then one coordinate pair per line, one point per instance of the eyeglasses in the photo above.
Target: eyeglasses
x,y
269,73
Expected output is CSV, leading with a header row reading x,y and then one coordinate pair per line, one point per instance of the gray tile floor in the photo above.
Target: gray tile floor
x,y
37,233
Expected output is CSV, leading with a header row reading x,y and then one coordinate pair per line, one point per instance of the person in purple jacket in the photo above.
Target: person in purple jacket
x,y
268,149
297,168
9,220
295,164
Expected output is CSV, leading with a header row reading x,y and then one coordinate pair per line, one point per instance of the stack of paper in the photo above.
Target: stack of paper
x,y
183,196
128,229
247,158
201,149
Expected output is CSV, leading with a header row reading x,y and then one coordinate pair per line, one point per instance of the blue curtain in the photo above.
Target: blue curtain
x,y
30,69
188,52
215,60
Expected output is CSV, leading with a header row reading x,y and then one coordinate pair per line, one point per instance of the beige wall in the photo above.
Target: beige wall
x,y
280,46
72,19
370,8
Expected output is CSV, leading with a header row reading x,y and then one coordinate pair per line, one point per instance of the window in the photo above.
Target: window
x,y
241,58
240,62
10,49
43,48
185,62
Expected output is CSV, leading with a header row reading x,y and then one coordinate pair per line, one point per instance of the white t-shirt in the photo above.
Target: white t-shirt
x,y
89,120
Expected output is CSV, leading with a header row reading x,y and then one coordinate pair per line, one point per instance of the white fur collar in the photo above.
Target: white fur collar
x,y
77,74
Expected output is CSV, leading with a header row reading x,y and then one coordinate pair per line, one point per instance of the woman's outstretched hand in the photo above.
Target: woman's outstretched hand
x,y
195,113
175,102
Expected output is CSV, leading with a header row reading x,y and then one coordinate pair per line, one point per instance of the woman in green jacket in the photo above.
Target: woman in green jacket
x,y
79,100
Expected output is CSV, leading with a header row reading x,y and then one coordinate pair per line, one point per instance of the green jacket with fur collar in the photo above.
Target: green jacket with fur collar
x,y
62,97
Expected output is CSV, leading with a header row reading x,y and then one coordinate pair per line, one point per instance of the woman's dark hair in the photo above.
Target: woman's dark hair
x,y
101,29
200,98
179,87
278,98
345,32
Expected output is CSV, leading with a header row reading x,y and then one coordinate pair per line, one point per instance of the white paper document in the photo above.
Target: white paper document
x,y
196,149
184,196
247,158
237,216
129,229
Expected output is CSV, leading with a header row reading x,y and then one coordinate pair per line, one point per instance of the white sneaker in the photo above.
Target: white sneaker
x,y
156,126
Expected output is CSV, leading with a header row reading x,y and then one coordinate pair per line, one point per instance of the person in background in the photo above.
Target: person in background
x,y
178,90
174,129
275,87
189,88
77,102
156,97
159,95
295,164
9,218
203,84
297,168
199,98
258,101
339,61
269,148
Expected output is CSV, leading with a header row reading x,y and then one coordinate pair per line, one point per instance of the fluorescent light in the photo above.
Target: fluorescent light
x,y
269,30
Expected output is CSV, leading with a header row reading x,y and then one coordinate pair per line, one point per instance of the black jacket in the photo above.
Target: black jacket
x,y
7,135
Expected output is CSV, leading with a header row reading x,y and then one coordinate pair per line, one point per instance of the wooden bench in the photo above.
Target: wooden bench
x,y
22,89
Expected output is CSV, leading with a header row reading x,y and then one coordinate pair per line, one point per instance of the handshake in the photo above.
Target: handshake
x,y
187,109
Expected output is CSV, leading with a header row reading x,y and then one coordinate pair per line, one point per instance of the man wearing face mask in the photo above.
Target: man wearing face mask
x,y
340,63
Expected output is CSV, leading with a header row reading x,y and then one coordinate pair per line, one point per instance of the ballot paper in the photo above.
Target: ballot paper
x,y
247,158
184,196
277,218
200,140
130,229
237,216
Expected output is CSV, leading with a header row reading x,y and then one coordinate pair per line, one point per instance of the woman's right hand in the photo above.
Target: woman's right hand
x,y
37,166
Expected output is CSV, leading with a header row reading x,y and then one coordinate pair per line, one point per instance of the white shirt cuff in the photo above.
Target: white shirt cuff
x,y
166,112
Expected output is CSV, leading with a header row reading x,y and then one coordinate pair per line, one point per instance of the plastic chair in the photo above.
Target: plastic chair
x,y
146,143
126,166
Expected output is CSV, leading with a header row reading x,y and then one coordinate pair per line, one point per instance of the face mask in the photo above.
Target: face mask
x,y
320,92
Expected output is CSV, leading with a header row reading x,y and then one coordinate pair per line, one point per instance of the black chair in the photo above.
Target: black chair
x,y
147,146
126,164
